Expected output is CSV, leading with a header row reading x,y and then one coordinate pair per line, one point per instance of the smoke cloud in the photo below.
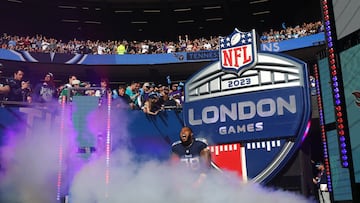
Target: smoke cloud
x,y
30,171
29,163
155,181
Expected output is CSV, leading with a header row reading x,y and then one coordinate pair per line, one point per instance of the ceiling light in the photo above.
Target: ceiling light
x,y
69,21
15,1
258,1
185,21
92,22
213,19
211,7
152,11
123,11
182,9
67,7
139,22
260,13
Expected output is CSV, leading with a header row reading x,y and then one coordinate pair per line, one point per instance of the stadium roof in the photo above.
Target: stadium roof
x,y
151,19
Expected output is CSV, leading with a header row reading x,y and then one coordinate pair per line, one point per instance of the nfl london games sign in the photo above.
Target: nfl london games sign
x,y
253,108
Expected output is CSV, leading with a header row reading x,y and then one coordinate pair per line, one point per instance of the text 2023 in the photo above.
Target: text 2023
x,y
239,82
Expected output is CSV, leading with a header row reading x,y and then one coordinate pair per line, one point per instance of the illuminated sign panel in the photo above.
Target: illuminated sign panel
x,y
259,100
245,119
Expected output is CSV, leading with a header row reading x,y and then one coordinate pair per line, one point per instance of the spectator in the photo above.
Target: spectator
x,y
75,91
144,93
64,89
133,91
4,85
104,90
19,89
176,93
12,43
150,106
121,49
168,102
123,100
207,45
321,183
144,47
88,91
101,49
45,91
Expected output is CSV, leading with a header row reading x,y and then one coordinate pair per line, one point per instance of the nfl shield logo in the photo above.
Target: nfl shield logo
x,y
238,51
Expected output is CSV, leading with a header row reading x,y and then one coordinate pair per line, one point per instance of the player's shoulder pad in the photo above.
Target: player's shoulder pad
x,y
175,143
202,140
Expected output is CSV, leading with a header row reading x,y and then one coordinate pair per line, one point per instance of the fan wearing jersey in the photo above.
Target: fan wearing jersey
x,y
193,153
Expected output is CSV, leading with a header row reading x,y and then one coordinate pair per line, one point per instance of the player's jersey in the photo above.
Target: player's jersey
x,y
190,155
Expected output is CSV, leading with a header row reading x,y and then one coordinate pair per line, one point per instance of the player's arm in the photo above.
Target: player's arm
x,y
205,155
174,157
206,158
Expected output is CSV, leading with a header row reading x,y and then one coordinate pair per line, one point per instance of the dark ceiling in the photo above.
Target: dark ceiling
x,y
151,19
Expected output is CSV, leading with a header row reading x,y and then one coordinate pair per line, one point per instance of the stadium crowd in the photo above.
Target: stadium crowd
x,y
145,96
40,43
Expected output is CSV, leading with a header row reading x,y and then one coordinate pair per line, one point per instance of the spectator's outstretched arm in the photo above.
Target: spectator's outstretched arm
x,y
4,89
